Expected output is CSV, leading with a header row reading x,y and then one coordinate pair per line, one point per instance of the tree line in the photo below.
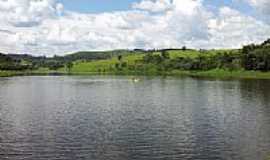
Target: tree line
x,y
250,57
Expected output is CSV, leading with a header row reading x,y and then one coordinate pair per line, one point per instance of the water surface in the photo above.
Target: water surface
x,y
113,118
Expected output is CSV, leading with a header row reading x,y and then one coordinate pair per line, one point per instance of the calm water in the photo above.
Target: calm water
x,y
113,118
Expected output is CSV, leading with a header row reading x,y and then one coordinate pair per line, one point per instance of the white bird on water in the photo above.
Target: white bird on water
x,y
135,79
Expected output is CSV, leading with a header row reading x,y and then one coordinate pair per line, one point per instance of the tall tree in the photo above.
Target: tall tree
x,y
69,66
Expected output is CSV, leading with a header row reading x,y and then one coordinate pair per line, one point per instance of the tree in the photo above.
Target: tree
x,y
117,66
184,48
54,65
69,66
256,57
266,43
120,58
124,64
148,57
165,54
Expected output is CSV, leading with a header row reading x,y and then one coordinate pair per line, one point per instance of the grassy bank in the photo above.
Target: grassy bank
x,y
9,73
30,73
224,74
217,73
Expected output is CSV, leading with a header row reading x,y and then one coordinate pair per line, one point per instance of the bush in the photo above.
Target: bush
x,y
124,64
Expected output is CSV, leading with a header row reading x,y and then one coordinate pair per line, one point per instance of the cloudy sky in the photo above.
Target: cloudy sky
x,y
48,27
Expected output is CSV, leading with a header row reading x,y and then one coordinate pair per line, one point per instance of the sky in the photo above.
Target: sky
x,y
94,6
49,27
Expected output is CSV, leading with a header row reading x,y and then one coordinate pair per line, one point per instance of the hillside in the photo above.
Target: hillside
x,y
153,62
250,61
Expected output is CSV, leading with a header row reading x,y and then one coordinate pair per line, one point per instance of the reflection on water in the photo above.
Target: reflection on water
x,y
73,118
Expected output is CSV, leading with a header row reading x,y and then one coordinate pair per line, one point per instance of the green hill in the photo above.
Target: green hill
x,y
252,61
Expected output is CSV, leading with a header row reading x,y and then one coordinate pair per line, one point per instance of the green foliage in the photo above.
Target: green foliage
x,y
119,58
166,61
85,55
9,64
165,54
256,57
69,66
194,60
170,60
117,66
7,73
54,65
184,48
124,64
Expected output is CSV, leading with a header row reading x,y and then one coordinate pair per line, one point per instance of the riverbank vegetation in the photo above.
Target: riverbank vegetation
x,y
252,61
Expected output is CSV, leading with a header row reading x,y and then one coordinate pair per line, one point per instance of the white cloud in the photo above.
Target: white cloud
x,y
188,6
28,13
153,6
233,29
261,5
45,27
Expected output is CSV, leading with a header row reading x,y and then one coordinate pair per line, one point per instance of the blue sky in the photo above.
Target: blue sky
x,y
97,6
93,6
101,6
240,5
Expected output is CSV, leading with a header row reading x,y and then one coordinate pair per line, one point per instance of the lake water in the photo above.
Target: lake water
x,y
113,118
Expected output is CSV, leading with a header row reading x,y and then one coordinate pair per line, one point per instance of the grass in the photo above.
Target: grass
x,y
94,66
103,65
42,71
183,54
107,67
5,73
224,74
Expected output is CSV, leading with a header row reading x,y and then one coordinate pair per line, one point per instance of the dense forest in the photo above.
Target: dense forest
x,y
253,57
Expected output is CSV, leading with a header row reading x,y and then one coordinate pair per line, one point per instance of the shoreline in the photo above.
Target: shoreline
x,y
216,74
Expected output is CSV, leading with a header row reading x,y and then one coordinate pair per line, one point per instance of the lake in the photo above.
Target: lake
x,y
114,118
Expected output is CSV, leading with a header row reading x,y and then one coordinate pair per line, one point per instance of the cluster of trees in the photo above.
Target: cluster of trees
x,y
20,62
251,57
4,58
8,63
226,60
257,57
